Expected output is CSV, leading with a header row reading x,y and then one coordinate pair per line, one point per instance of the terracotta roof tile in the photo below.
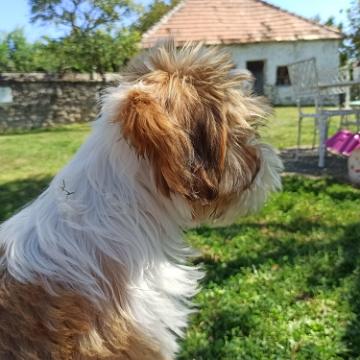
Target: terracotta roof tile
x,y
234,21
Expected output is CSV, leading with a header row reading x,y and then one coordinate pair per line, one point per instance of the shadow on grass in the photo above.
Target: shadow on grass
x,y
16,194
351,264
323,185
307,164
284,252
280,245
345,250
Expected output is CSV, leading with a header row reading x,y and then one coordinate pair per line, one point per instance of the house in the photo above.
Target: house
x,y
356,69
261,38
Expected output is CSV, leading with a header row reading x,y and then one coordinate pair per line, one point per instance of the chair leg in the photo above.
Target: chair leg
x,y
297,154
322,135
341,125
327,126
314,134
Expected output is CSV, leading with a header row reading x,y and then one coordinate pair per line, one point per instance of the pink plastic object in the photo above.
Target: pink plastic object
x,y
343,142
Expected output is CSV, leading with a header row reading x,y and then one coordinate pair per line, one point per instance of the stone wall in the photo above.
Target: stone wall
x,y
40,100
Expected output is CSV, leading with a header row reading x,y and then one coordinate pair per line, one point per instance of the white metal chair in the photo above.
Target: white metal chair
x,y
304,80
329,98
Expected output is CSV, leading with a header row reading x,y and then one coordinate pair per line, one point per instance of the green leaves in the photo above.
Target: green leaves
x,y
17,54
154,13
94,41
351,47
98,36
95,52
81,16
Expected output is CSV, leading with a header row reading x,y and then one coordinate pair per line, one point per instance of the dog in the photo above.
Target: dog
x,y
96,267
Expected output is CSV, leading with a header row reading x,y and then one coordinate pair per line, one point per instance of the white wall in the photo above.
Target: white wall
x,y
356,72
282,53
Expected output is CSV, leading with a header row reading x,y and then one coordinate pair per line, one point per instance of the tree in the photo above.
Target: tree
x,y
329,22
81,16
17,54
94,39
99,51
343,47
20,51
154,13
353,46
4,53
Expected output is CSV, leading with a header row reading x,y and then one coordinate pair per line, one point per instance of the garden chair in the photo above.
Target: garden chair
x,y
328,99
304,80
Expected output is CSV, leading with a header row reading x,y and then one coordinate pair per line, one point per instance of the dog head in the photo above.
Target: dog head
x,y
185,112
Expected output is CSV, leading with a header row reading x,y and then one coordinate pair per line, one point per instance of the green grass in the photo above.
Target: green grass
x,y
283,284
28,161
39,153
282,129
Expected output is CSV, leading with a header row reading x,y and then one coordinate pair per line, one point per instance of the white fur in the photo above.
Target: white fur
x,y
104,204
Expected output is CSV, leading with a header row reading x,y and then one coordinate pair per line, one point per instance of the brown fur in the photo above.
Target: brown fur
x,y
193,123
35,325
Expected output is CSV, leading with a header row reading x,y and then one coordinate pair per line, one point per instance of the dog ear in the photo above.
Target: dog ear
x,y
188,156
148,127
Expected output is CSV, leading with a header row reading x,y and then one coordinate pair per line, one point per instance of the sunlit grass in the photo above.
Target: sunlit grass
x,y
38,153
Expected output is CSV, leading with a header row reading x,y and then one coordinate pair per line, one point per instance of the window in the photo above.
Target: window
x,y
282,76
5,95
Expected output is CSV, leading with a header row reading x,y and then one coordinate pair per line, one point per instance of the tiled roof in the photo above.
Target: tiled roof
x,y
234,22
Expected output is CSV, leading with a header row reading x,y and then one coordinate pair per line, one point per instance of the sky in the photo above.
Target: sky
x,y
15,13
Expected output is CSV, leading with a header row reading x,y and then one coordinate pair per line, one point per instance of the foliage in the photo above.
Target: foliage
x,y
4,53
98,51
153,14
17,54
93,39
81,16
353,48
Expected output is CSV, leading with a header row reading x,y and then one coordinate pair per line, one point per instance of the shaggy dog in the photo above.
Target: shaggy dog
x,y
95,267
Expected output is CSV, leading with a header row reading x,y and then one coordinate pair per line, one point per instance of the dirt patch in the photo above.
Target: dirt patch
x,y
307,164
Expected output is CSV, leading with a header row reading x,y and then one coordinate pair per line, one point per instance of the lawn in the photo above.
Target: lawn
x,y
283,284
